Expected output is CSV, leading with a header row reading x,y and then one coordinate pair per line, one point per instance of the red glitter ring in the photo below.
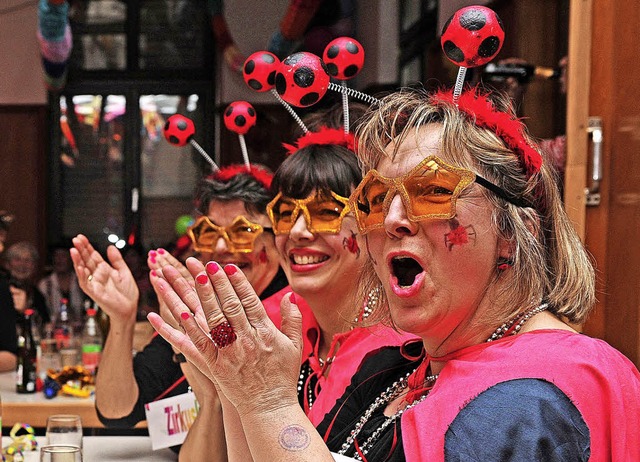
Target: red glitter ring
x,y
223,335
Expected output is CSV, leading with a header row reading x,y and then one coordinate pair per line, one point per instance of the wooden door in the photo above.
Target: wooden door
x,y
603,81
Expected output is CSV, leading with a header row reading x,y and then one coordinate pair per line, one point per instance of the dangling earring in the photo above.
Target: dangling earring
x,y
504,263
370,303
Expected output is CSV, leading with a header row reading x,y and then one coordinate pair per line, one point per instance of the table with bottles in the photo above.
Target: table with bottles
x,y
20,401
34,408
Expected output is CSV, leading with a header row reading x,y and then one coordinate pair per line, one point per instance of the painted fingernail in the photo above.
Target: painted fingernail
x,y
154,274
161,251
152,259
230,269
292,298
152,253
212,267
202,279
185,315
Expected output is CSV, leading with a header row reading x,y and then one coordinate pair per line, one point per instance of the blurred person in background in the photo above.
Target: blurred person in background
x,y
62,283
21,261
8,337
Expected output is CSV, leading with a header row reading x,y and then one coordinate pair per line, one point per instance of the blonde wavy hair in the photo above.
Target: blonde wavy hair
x,y
550,263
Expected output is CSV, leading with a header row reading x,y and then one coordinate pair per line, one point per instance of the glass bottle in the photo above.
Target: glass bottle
x,y
27,356
63,331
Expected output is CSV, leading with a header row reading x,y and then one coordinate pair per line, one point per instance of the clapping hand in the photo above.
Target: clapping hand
x,y
227,334
110,284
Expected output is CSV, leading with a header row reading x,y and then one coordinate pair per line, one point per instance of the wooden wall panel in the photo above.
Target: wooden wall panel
x,y
23,167
612,228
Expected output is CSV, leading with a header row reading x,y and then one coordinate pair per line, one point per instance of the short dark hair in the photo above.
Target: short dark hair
x,y
243,186
322,167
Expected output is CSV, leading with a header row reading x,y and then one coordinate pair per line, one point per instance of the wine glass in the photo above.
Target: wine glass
x,y
64,429
60,453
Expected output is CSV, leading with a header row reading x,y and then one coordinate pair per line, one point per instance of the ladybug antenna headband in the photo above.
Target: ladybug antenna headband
x,y
472,37
259,73
179,130
239,117
260,174
302,79
323,136
479,109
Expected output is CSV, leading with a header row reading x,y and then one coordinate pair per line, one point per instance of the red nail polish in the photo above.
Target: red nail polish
x,y
212,267
161,251
154,274
230,269
152,259
202,279
152,253
185,315
292,298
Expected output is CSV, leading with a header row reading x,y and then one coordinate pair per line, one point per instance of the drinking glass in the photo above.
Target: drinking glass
x,y
64,429
60,453
49,357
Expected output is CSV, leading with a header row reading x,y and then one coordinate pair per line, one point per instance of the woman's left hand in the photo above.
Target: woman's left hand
x,y
255,365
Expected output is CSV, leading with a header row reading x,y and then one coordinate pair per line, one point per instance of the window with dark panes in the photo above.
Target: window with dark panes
x,y
418,21
114,177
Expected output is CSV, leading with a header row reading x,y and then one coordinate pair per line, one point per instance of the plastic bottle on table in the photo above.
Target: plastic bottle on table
x,y
63,332
91,342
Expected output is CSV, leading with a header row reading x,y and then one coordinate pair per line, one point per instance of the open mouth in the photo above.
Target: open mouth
x,y
307,259
405,270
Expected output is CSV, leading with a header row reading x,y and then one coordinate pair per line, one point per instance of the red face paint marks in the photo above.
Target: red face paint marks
x,y
459,235
351,244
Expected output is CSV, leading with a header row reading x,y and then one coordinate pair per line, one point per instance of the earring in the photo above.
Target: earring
x,y
370,303
504,263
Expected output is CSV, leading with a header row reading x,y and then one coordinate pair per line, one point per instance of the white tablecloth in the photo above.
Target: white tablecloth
x,y
111,449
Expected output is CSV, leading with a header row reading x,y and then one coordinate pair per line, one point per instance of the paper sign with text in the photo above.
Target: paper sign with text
x,y
170,419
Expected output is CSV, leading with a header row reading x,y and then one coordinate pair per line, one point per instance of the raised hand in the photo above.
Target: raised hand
x,y
160,258
261,367
110,284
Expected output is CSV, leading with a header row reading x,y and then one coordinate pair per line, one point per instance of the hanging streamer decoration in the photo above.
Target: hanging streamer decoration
x,y
55,40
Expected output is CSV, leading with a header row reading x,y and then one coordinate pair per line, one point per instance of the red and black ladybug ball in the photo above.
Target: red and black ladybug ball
x,y
472,36
260,70
302,79
239,117
344,58
178,130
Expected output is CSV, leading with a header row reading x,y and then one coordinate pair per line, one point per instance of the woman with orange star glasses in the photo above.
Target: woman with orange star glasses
x,y
317,238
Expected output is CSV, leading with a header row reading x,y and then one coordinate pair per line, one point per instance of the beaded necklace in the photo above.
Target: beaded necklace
x,y
305,371
512,326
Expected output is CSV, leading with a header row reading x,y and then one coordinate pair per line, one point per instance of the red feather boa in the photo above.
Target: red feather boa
x,y
477,106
